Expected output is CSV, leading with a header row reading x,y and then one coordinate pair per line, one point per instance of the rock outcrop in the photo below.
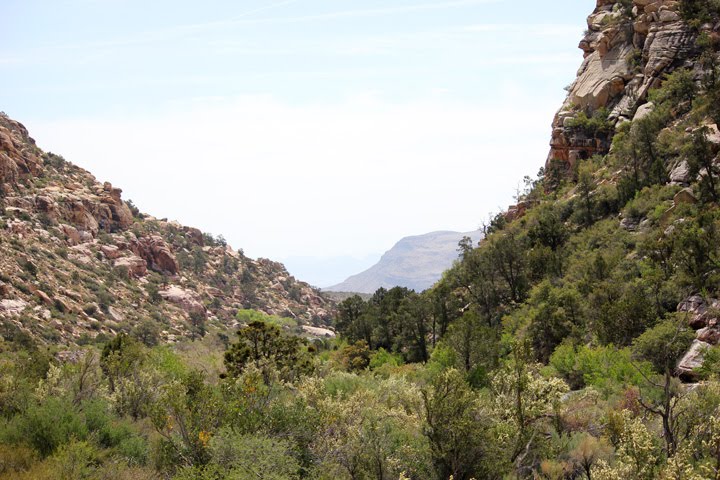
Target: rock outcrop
x,y
627,52
185,299
702,315
692,360
157,254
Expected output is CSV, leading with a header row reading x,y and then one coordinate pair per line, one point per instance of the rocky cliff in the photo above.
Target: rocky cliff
x,y
78,262
415,262
629,47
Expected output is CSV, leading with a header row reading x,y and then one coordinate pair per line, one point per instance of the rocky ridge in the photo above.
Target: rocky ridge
x,y
78,262
629,49
415,262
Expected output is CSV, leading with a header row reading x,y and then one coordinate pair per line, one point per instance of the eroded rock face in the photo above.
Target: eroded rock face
x,y
627,52
136,266
10,307
697,310
112,213
77,232
604,72
692,360
18,155
195,236
184,299
157,254
702,315
89,208
680,174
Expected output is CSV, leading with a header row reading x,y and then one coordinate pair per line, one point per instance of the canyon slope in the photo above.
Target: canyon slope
x,y
79,264
641,121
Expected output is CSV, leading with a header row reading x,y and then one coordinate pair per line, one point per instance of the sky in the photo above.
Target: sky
x,y
313,132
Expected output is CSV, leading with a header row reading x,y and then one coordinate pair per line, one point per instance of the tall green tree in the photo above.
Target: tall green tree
x,y
663,345
454,427
266,347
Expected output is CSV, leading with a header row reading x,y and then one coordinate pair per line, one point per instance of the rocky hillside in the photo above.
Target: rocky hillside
x,y
629,48
415,262
78,262
644,107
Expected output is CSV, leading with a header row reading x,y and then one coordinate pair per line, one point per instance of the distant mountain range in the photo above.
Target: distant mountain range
x,y
415,262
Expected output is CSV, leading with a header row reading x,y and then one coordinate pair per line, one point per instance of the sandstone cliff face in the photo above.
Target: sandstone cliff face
x,y
76,263
628,48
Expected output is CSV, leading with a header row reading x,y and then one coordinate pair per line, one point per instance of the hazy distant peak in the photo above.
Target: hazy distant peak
x,y
415,262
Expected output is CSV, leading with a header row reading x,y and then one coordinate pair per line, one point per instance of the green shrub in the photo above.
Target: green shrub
x,y
603,367
97,415
49,425
251,456
593,126
665,343
383,358
650,202
697,12
74,461
134,449
248,316
16,458
677,88
342,384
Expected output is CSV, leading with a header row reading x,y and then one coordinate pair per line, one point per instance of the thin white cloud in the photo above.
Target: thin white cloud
x,y
436,39
547,29
180,31
374,12
270,175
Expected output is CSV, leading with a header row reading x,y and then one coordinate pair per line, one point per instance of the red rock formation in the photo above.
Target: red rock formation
x,y
702,315
77,232
626,53
157,254
136,266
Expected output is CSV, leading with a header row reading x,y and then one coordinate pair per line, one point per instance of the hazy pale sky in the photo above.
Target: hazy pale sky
x,y
315,132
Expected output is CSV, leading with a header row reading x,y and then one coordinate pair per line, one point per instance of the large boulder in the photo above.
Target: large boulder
x,y
600,76
157,254
665,44
700,313
10,307
8,169
72,236
75,210
112,212
184,299
680,174
135,266
693,359
16,160
195,236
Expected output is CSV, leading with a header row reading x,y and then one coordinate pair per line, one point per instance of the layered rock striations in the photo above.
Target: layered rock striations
x,y
77,262
628,48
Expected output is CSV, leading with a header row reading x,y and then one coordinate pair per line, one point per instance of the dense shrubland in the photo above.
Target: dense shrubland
x,y
547,351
